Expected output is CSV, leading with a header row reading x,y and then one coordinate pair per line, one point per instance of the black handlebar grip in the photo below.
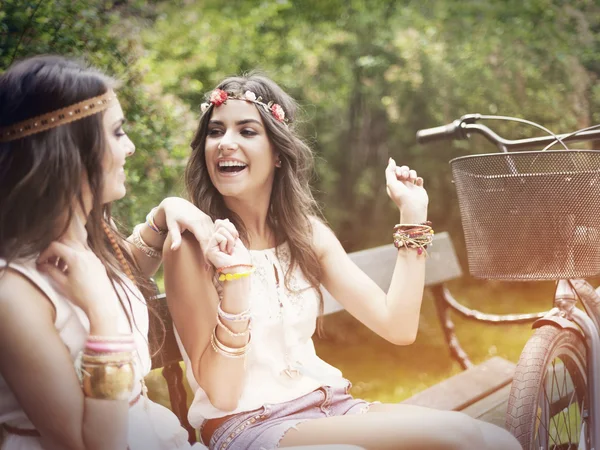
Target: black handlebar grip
x,y
445,132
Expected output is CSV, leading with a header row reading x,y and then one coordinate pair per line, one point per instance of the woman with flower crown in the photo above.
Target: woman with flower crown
x,y
246,308
73,317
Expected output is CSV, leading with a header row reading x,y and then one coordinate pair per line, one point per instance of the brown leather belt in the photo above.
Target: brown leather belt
x,y
31,432
209,427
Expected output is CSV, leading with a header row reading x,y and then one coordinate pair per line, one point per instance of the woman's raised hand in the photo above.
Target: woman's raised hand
x,y
80,276
180,215
406,189
225,247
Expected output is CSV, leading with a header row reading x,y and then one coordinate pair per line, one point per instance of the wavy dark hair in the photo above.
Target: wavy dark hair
x,y
292,202
41,174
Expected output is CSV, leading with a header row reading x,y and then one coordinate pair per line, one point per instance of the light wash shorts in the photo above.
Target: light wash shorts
x,y
263,428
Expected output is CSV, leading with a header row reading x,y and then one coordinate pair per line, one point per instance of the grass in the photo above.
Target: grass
x,y
382,371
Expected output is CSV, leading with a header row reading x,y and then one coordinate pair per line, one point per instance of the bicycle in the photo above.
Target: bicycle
x,y
531,215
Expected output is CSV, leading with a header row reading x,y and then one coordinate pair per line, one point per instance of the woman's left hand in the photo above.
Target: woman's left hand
x,y
406,189
178,215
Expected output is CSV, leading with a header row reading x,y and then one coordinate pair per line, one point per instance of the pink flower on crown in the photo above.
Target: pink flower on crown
x,y
278,112
218,97
250,96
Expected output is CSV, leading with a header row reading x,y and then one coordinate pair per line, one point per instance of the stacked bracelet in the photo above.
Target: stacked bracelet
x,y
151,224
141,245
107,367
229,352
417,236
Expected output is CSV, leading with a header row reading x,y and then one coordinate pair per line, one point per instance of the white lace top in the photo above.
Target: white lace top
x,y
282,363
151,426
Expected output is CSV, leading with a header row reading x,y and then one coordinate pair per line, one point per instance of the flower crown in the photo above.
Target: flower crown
x,y
219,96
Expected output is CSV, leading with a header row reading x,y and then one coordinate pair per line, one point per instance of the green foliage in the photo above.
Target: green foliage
x,y
370,74
93,30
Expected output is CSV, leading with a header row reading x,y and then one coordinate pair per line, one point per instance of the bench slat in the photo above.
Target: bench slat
x,y
464,389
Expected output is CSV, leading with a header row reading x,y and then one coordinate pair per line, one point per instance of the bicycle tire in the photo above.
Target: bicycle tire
x,y
528,399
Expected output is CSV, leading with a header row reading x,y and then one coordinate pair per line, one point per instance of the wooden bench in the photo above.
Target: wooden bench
x,y
466,391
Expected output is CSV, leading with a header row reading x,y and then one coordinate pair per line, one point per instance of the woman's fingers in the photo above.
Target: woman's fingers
x,y
56,250
221,241
390,173
230,239
56,273
412,176
175,233
230,227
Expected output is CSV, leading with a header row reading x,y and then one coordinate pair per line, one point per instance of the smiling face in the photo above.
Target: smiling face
x,y
119,147
239,156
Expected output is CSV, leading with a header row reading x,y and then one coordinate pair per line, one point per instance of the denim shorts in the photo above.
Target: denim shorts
x,y
263,428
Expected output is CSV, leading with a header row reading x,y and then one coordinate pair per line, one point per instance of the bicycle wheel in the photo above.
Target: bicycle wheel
x,y
548,403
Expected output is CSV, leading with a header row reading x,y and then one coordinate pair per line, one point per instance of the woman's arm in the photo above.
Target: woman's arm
x,y
38,369
395,315
176,216
193,299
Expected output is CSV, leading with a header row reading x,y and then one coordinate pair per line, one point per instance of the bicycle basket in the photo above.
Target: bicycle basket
x,y
530,215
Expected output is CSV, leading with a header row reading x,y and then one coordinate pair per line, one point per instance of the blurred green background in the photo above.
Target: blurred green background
x,y
368,75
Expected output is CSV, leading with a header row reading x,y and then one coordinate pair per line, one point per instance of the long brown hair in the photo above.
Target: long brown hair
x,y
292,202
41,174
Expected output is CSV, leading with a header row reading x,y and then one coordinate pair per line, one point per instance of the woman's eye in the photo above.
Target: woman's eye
x,y
120,132
249,132
214,132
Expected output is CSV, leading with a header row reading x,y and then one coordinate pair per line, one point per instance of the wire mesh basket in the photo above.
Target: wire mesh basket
x,y
530,215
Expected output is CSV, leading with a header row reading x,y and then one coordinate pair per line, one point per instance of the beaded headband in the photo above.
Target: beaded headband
x,y
219,96
57,118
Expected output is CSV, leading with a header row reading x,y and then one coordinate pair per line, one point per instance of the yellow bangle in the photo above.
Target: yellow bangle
x,y
236,276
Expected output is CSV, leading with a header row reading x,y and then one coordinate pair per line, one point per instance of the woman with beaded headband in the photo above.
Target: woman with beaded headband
x,y
245,325
73,317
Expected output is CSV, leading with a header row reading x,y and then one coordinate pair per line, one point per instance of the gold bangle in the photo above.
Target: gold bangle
x,y
108,382
139,243
107,358
226,351
231,332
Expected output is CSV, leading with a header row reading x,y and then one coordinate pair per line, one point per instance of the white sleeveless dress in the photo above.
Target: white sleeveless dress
x,y
151,426
282,363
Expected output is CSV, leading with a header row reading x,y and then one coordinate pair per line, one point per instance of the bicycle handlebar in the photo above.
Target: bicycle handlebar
x,y
442,133
463,127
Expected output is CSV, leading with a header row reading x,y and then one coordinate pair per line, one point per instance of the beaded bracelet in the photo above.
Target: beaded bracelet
x,y
233,266
236,276
239,317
